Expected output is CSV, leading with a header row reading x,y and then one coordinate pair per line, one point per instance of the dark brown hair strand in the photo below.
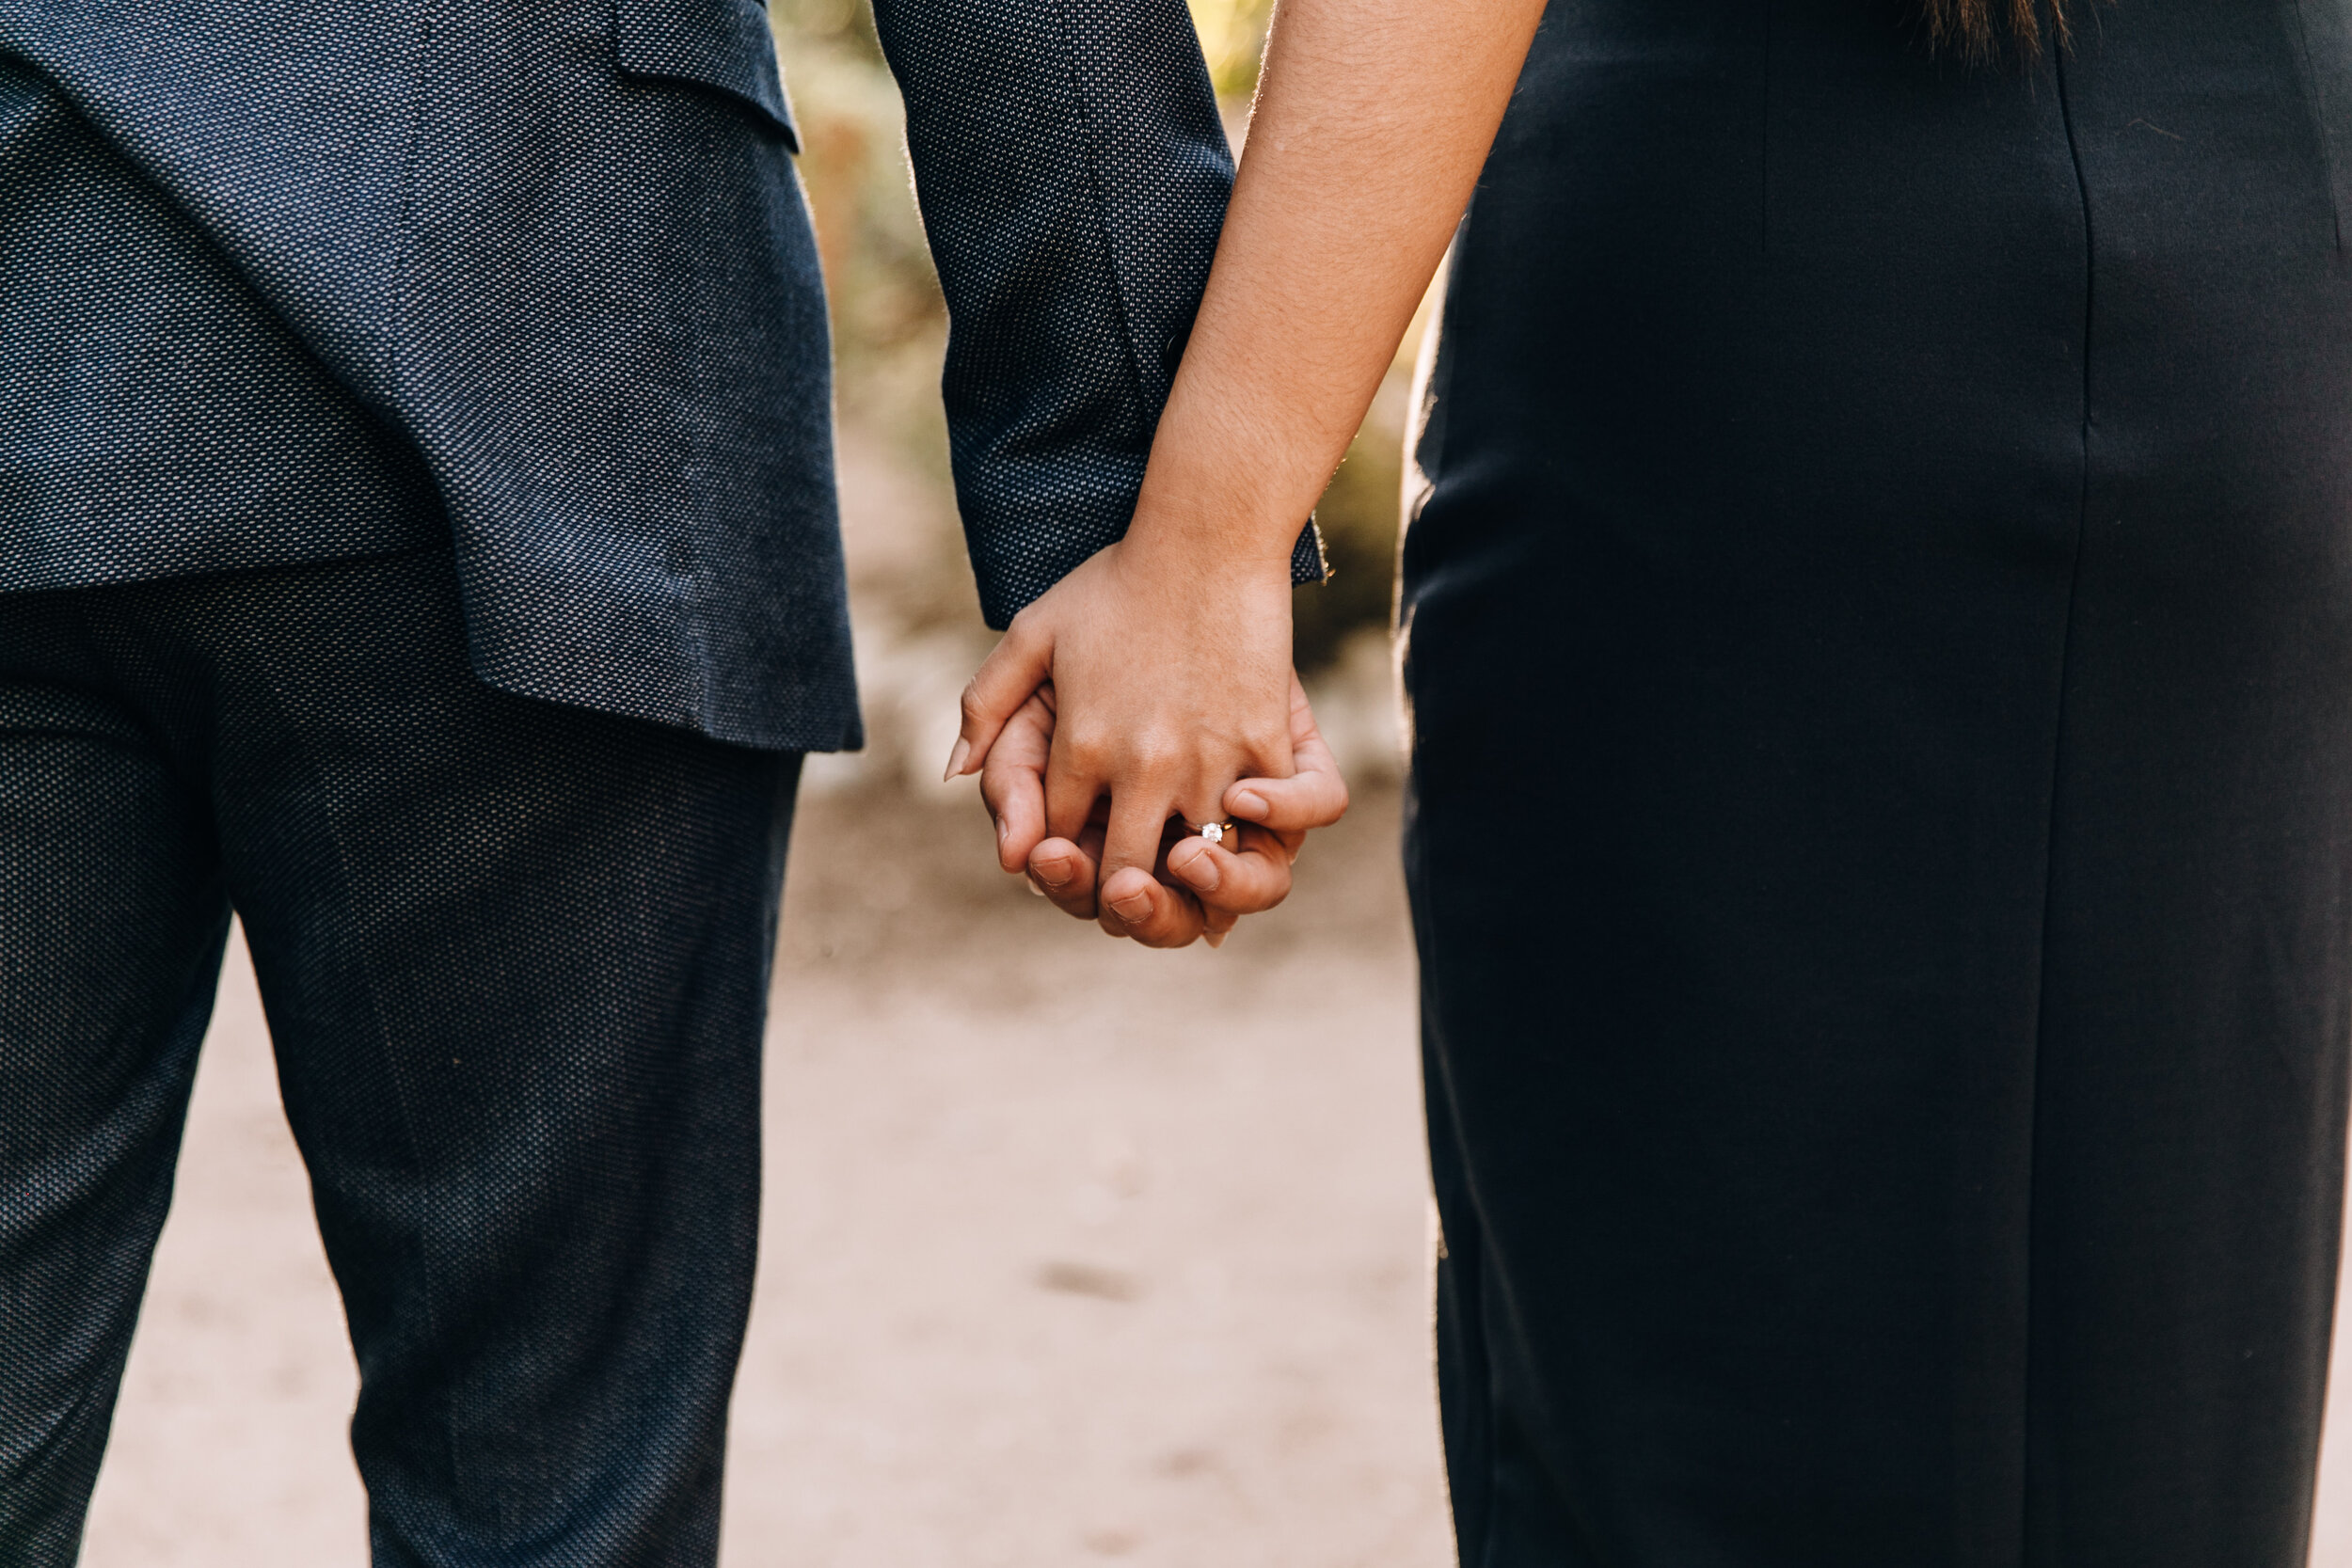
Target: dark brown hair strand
x,y
1976,27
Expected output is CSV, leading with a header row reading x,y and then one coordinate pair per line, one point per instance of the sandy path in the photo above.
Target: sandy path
x,y
1120,1261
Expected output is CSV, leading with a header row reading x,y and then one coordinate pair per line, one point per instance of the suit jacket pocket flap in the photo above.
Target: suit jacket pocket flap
x,y
717,43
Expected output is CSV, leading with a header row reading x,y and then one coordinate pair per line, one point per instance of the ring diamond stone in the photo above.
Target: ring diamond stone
x,y
1217,832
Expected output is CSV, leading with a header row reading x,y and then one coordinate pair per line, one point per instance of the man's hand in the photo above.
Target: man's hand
x,y
1196,889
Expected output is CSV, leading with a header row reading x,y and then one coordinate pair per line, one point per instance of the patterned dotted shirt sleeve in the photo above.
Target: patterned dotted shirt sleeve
x,y
1072,175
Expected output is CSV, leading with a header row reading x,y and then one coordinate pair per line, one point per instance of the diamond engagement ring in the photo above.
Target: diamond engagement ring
x,y
1217,832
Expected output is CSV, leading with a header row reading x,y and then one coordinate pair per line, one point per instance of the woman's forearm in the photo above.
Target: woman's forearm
x,y
1371,121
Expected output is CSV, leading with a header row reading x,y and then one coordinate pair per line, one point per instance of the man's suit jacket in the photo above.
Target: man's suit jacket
x,y
561,248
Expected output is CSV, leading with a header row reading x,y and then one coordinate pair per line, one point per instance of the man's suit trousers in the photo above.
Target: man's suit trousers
x,y
515,961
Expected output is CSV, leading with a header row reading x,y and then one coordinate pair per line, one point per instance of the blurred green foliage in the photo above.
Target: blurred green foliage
x,y
890,324
1358,517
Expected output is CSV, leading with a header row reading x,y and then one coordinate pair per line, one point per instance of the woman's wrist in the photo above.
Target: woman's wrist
x,y
1217,523
1203,556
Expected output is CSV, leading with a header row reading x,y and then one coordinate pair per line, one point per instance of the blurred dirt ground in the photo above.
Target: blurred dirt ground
x,y
1073,1253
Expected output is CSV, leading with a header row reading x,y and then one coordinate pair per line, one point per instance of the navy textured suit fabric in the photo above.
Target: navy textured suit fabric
x,y
516,958
156,418
561,253
1073,188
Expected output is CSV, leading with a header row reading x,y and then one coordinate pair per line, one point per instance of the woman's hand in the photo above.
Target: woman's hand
x,y
1212,886
1170,678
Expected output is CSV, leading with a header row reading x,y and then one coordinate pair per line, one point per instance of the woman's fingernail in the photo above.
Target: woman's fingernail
x,y
1249,803
956,759
1035,890
1003,828
1215,938
1134,908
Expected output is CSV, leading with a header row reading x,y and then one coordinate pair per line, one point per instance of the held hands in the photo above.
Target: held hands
x,y
1197,889
1167,654
1140,694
